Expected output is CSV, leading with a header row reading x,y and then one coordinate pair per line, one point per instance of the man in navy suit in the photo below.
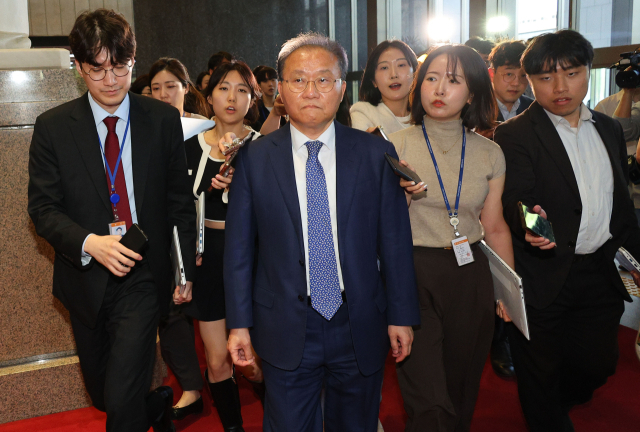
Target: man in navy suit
x,y
509,80
312,208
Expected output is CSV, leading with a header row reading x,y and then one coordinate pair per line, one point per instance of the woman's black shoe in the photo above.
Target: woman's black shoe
x,y
178,413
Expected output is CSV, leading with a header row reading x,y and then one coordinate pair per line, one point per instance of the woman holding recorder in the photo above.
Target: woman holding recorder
x,y
451,97
232,92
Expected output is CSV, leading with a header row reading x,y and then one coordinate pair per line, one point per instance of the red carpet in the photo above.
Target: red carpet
x,y
614,407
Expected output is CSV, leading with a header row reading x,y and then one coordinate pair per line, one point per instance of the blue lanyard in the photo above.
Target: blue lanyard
x,y
112,175
453,214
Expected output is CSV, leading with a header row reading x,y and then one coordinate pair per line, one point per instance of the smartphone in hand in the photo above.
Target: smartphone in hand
x,y
535,223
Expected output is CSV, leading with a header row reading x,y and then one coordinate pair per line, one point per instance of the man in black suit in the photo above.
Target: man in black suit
x,y
509,80
568,163
114,295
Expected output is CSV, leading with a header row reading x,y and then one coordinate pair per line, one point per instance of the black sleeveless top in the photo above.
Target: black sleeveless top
x,y
214,208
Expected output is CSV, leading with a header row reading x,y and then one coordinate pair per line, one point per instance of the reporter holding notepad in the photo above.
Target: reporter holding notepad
x,y
452,94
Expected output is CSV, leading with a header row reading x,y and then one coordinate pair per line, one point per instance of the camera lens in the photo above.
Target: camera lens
x,y
628,79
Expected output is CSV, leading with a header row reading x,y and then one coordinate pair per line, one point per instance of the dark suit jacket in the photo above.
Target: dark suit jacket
x,y
525,102
265,280
69,199
539,172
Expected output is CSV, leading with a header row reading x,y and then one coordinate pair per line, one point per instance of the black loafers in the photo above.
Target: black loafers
x,y
179,413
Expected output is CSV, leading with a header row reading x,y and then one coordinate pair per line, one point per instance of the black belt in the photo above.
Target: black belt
x,y
583,257
344,299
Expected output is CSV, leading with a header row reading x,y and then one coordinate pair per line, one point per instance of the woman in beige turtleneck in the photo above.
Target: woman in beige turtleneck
x,y
440,379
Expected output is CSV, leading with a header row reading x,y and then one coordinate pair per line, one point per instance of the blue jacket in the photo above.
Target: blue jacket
x,y
264,264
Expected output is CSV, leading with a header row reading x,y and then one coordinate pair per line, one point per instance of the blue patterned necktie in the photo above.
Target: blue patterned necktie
x,y
323,271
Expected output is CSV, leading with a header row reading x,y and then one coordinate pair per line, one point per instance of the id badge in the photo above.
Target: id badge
x,y
462,249
118,228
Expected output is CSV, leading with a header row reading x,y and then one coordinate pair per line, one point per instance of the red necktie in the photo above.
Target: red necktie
x,y
111,151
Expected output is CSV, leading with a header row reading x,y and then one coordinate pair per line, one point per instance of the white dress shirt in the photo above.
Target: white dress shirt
x,y
99,114
506,114
327,158
592,169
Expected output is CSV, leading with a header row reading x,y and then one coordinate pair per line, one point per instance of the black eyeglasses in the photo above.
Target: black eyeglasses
x,y
98,74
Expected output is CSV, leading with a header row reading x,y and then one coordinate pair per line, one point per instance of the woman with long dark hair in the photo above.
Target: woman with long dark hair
x,y
385,88
170,83
232,92
451,96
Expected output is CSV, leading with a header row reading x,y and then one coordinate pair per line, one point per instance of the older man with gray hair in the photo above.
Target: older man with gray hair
x,y
312,207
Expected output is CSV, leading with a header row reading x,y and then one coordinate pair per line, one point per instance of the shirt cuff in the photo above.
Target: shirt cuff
x,y
85,258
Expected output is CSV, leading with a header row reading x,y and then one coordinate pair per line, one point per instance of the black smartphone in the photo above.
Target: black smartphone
x,y
135,239
400,170
535,223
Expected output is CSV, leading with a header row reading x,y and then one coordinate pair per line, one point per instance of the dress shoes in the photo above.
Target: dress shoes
x,y
159,404
179,413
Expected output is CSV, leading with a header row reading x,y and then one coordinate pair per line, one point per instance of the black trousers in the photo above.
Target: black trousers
x,y
440,380
573,346
117,355
178,347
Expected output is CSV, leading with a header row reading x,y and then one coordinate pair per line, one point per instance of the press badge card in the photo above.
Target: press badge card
x,y
462,249
118,228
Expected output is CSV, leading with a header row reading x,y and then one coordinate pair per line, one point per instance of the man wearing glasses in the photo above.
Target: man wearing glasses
x,y
311,208
509,79
97,164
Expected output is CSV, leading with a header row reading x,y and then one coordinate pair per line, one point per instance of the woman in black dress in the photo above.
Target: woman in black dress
x,y
232,92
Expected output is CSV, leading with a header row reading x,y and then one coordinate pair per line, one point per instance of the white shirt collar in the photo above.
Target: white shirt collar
x,y
99,114
503,107
328,138
585,115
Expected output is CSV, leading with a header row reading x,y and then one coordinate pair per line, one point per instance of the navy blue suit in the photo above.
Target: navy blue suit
x,y
264,270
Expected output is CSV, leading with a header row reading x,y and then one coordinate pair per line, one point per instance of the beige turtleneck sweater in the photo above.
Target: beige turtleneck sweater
x,y
484,161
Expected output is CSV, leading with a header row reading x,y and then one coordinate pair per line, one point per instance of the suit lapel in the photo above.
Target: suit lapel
x,y
347,167
281,159
610,144
550,140
141,132
85,134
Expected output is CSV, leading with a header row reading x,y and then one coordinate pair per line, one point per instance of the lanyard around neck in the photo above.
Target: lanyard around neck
x,y
112,174
453,215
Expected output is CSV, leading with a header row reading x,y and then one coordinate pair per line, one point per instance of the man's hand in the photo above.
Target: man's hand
x,y
537,241
185,297
401,339
109,252
501,312
636,277
239,346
